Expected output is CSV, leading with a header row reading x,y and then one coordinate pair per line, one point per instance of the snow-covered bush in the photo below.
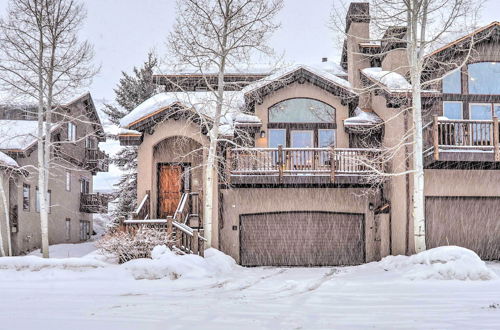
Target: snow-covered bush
x,y
441,263
133,245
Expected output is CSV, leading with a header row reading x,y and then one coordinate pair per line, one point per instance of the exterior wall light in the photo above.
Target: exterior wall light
x,y
262,134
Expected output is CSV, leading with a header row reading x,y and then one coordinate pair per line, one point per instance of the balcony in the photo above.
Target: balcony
x,y
96,160
93,203
302,165
471,141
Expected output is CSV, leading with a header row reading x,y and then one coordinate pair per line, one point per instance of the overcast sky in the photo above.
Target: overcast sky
x,y
122,32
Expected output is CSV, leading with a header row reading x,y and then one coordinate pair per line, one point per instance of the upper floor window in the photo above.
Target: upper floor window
x,y
26,197
301,110
452,82
484,78
71,132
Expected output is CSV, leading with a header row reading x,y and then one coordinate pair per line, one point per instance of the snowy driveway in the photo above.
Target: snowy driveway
x,y
252,298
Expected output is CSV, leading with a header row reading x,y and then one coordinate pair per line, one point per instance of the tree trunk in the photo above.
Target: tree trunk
x,y
418,210
7,222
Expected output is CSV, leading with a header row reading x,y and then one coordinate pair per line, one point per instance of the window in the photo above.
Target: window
x,y
26,197
326,138
301,110
90,142
277,137
68,181
480,111
452,110
68,229
302,139
85,186
37,200
484,78
84,230
71,132
452,82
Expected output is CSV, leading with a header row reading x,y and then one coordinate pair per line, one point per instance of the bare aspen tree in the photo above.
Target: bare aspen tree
x,y
427,25
43,61
217,34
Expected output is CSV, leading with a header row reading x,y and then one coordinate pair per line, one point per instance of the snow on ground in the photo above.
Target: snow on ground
x,y
214,293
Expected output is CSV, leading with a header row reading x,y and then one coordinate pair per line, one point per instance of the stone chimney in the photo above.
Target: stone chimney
x,y
357,31
393,49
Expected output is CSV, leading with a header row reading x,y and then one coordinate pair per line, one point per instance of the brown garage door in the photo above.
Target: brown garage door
x,y
301,239
470,222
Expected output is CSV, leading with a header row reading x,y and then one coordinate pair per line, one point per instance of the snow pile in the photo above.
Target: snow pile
x,y
167,264
34,263
442,263
69,250
7,161
392,80
362,118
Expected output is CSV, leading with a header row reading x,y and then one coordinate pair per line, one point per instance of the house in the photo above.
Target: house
x,y
75,134
306,183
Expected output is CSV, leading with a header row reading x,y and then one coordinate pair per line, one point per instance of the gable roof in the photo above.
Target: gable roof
x,y
299,73
466,38
91,112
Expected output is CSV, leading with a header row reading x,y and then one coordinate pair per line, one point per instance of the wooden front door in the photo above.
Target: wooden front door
x,y
169,189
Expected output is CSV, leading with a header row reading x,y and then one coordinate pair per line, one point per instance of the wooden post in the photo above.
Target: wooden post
x,y
496,139
435,136
194,242
332,164
169,226
280,162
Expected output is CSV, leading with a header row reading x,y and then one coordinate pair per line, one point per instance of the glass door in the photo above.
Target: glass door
x,y
302,159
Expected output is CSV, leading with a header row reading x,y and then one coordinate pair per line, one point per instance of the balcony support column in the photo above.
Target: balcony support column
x,y
435,136
496,139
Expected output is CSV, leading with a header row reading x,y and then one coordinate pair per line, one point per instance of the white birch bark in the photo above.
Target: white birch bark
x,y
5,205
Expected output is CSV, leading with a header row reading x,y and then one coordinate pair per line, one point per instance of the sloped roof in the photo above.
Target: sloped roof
x,y
19,135
392,81
465,38
7,161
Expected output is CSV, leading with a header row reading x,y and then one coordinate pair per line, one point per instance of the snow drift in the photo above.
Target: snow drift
x,y
34,263
165,263
442,263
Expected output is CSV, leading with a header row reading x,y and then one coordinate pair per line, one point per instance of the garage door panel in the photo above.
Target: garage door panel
x,y
470,222
301,239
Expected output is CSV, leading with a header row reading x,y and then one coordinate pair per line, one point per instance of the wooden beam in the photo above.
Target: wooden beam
x,y
496,139
435,136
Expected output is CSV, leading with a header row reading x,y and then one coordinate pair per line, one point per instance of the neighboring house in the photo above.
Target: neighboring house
x,y
76,132
301,188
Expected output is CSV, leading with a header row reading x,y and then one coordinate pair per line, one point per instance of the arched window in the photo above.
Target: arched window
x,y
301,123
484,78
301,110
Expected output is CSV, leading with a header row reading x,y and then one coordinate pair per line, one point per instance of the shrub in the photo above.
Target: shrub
x,y
134,244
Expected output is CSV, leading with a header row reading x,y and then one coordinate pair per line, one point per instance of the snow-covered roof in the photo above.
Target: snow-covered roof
x,y
288,70
203,103
242,69
362,118
19,135
7,161
392,80
125,131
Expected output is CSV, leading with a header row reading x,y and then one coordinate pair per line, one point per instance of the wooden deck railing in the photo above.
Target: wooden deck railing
x,y
93,203
446,134
302,161
142,211
96,160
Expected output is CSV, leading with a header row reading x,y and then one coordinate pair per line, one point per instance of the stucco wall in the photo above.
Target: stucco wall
x,y
241,201
65,204
306,90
